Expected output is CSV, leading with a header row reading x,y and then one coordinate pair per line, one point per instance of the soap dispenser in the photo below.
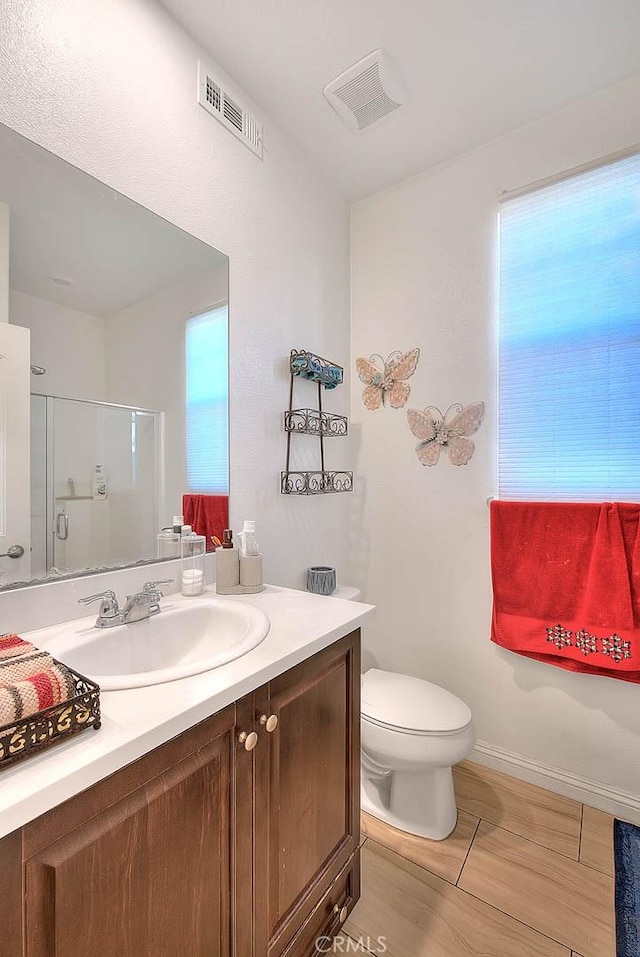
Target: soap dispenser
x,y
168,540
227,565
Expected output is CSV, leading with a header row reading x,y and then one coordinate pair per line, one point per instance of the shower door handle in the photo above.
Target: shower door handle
x,y
62,526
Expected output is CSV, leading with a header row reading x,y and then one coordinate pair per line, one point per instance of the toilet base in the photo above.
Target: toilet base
x,y
421,802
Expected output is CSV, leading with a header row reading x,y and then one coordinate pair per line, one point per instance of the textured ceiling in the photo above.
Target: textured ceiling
x,y
475,69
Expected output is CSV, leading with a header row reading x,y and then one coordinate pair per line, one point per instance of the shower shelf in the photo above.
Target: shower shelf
x,y
315,422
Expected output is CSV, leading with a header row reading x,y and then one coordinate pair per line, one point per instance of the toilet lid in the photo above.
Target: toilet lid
x,y
412,704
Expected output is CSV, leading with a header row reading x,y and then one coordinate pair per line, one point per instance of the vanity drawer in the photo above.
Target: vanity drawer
x,y
325,921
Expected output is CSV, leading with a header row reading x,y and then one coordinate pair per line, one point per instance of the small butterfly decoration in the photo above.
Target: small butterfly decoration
x,y
387,382
450,431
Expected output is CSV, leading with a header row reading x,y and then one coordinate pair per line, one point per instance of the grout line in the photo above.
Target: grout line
x,y
466,856
515,919
532,840
485,903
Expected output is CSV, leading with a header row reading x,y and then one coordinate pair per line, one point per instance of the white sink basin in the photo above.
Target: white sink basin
x,y
184,639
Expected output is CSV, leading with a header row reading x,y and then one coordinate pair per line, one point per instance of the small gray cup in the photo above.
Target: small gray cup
x,y
321,579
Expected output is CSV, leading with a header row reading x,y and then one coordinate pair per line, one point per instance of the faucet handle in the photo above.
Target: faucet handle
x,y
152,587
107,595
108,603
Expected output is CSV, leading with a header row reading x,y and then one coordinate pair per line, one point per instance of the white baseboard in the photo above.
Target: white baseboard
x,y
622,804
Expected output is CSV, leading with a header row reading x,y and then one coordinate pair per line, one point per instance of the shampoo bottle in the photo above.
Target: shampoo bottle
x,y
250,558
99,483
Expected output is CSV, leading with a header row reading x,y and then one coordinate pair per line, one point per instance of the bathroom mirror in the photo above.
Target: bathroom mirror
x,y
115,402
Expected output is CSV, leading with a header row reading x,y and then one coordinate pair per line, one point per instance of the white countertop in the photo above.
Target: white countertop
x,y
138,720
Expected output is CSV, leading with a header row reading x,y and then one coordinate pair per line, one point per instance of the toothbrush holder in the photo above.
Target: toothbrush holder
x,y
321,579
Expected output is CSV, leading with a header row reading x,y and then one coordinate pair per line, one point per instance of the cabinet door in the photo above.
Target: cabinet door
x,y
307,790
149,875
11,895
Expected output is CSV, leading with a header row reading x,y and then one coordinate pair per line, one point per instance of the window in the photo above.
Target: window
x,y
569,339
207,388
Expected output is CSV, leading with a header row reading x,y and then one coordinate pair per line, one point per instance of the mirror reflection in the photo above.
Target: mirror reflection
x,y
113,373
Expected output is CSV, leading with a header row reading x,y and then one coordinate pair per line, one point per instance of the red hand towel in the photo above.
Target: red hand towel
x,y
566,584
207,514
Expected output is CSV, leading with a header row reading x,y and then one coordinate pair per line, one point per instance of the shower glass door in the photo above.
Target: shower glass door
x,y
82,528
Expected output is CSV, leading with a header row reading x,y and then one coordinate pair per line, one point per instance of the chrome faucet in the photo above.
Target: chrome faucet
x,y
143,604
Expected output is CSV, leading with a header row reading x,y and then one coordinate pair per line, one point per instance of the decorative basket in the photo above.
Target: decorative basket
x,y
20,739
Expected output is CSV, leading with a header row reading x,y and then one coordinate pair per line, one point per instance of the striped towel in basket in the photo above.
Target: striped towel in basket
x,y
11,645
40,691
24,666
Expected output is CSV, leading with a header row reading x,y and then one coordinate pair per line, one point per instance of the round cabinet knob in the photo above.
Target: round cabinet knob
x,y
269,722
342,912
249,740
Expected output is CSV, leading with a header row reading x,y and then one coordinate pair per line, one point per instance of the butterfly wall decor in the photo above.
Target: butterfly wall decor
x,y
385,379
450,431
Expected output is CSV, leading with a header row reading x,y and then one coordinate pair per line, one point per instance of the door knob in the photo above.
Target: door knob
x,y
342,912
13,551
270,722
249,740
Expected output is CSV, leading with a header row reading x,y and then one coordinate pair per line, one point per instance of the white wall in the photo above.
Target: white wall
x,y
146,364
424,274
4,262
110,86
68,343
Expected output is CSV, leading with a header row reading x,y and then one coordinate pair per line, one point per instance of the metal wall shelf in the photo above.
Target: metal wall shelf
x,y
315,483
314,422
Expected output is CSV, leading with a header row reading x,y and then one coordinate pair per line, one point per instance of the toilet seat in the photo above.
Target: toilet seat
x,y
412,731
411,705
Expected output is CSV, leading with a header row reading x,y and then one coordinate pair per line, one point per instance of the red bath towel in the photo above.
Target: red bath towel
x,y
207,514
566,584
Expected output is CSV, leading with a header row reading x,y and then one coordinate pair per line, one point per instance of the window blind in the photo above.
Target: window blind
x,y
207,401
569,339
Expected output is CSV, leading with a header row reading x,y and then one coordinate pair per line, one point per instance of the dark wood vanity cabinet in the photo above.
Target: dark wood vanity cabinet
x,y
141,862
207,846
307,810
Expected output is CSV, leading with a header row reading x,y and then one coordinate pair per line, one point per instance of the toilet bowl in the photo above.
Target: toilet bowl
x,y
413,732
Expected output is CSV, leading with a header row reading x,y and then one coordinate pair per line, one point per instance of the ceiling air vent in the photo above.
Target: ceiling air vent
x,y
215,100
367,91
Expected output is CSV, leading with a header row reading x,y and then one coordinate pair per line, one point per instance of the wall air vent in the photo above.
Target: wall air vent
x,y
367,91
215,100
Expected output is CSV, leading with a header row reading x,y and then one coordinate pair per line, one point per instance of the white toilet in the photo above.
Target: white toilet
x,y
413,732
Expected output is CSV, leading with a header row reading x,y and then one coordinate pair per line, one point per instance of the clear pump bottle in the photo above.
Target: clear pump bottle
x,y
192,551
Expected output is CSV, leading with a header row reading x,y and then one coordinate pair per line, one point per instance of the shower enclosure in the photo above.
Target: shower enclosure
x,y
71,528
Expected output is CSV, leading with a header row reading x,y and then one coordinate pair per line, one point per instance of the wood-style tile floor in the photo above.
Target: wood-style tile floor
x,y
526,873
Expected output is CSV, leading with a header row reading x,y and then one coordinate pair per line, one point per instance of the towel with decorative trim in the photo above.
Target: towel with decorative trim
x,y
566,584
12,645
24,698
24,666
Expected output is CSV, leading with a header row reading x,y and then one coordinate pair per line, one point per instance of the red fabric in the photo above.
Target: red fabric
x,y
207,514
43,686
566,584
11,646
